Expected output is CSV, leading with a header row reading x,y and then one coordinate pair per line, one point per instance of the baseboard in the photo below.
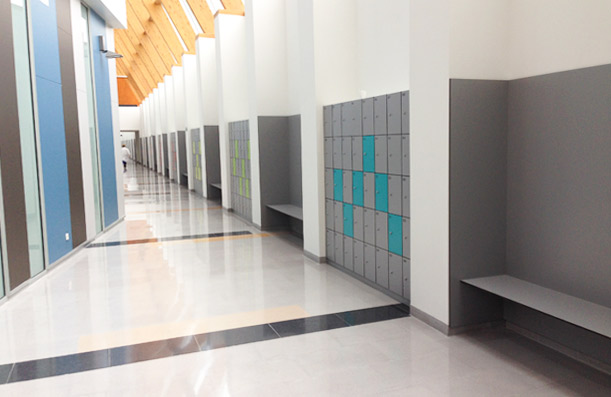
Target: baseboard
x,y
430,320
575,355
467,328
315,258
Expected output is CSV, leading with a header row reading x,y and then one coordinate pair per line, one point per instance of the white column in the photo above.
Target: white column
x,y
232,86
192,106
208,95
429,127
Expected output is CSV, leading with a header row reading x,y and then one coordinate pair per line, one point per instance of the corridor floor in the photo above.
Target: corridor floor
x,y
183,298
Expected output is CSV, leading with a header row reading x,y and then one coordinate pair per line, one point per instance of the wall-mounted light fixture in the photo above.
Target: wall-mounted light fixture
x,y
109,54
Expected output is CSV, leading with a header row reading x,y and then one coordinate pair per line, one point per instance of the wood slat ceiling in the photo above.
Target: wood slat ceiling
x,y
151,46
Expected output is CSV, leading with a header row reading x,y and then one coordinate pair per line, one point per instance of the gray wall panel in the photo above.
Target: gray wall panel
x,y
213,159
559,182
478,163
10,159
182,159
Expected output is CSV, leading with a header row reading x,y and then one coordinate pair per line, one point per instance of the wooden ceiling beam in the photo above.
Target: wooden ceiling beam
x,y
235,7
136,64
181,22
158,16
157,70
161,48
145,64
122,65
203,14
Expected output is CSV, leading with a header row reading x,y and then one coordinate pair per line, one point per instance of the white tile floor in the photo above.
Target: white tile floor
x,y
178,286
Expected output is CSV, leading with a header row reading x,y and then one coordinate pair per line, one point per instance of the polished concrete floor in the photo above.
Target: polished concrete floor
x,y
179,268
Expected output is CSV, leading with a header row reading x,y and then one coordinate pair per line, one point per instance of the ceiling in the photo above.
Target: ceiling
x,y
159,32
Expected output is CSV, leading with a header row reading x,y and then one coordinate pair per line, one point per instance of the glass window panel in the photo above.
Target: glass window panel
x,y
29,156
93,130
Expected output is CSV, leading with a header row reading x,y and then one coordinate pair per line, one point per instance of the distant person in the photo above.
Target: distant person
x,y
126,154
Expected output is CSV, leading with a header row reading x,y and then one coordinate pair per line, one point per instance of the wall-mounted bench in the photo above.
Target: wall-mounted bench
x,y
288,209
217,185
582,313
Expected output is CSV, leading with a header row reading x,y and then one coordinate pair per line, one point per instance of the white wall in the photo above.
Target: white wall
x,y
549,36
230,33
383,46
479,39
429,126
114,12
206,67
170,103
129,118
179,97
193,115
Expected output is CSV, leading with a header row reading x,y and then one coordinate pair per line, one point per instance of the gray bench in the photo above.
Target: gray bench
x,y
585,314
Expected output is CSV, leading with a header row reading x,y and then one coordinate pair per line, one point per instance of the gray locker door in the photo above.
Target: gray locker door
x,y
347,186
405,199
345,116
357,154
338,215
359,227
369,226
348,253
337,120
337,152
327,112
359,258
393,112
329,152
346,153
394,194
394,154
330,245
356,124
379,115
382,267
367,116
369,190
406,238
395,274
328,183
370,262
329,214
339,249
382,230
381,154
405,112
405,154
406,278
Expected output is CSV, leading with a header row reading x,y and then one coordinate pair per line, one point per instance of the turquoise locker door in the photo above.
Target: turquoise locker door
x,y
357,188
382,192
338,185
395,240
369,155
349,221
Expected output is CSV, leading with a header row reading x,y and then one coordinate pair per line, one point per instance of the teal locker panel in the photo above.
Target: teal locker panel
x,y
395,240
348,221
369,155
357,188
382,192
338,185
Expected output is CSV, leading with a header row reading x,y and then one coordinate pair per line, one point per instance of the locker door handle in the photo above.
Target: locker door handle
x,y
377,192
353,187
390,233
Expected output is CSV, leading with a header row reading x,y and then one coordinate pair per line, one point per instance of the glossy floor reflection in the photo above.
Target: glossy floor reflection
x,y
110,297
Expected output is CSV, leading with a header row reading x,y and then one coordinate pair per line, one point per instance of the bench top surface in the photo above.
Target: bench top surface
x,y
217,185
594,317
289,209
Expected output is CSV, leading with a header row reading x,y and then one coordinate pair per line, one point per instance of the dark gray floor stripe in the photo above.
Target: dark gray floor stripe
x,y
162,239
81,362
